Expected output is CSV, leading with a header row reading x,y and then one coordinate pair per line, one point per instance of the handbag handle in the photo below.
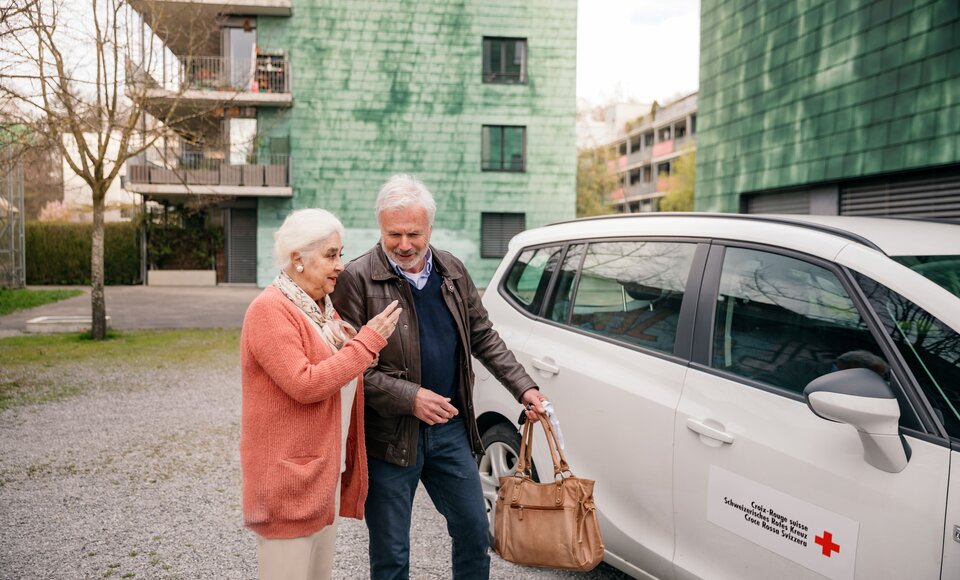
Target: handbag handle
x,y
525,462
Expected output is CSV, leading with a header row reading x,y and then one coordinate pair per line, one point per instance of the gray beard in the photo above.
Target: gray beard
x,y
404,263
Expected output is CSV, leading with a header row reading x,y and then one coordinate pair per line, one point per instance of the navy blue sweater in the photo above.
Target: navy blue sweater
x,y
439,341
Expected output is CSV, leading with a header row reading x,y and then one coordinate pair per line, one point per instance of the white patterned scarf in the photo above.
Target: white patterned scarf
x,y
334,330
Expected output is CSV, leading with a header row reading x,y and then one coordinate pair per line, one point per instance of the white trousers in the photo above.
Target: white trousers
x,y
307,558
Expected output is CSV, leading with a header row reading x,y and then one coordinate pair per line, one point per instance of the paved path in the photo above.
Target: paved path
x,y
140,307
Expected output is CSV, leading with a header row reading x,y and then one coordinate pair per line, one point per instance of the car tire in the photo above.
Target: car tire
x,y
501,446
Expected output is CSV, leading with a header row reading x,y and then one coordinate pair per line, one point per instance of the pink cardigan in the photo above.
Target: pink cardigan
x,y
290,422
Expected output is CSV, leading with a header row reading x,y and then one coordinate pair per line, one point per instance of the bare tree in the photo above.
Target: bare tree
x,y
76,77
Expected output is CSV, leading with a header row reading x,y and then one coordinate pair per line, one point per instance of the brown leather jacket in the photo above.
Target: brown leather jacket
x,y
364,289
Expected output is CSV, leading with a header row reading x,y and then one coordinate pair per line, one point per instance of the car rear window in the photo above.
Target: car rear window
x,y
529,276
943,270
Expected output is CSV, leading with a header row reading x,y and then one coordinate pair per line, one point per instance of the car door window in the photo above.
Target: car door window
x,y
784,322
930,348
529,277
631,291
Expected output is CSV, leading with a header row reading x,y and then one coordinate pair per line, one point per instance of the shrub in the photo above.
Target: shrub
x,y
59,253
190,248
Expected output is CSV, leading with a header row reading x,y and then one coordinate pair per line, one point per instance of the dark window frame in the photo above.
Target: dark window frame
x,y
503,166
502,77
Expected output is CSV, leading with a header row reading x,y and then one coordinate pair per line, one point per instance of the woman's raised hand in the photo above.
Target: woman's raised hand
x,y
386,322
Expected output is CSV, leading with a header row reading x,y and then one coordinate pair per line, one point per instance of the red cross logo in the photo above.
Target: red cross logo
x,y
826,540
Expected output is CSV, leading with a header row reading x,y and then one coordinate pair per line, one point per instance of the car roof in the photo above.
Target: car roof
x,y
892,236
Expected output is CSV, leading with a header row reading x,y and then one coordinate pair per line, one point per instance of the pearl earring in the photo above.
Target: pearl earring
x,y
299,268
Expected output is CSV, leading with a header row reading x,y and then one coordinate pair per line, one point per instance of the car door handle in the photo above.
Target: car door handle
x,y
708,431
542,365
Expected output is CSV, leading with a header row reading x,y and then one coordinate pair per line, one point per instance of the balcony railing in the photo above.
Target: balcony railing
x,y
267,73
196,169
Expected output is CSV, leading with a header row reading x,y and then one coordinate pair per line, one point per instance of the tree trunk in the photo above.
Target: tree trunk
x,y
98,329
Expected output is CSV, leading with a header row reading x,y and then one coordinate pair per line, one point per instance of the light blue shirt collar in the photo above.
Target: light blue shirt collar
x,y
419,280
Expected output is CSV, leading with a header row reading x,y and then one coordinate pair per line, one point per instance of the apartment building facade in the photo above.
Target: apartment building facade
x,y
331,98
830,107
644,156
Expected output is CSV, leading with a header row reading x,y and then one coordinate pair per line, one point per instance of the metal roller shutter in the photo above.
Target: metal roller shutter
x,y
797,202
935,197
242,246
496,231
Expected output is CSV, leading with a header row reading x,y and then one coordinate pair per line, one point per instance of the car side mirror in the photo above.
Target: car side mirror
x,y
861,398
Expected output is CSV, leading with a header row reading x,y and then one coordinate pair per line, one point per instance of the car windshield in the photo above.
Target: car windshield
x,y
944,270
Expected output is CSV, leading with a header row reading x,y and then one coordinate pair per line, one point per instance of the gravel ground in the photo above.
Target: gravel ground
x,y
138,477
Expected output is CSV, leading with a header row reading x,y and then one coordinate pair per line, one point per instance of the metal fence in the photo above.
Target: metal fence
x,y
12,259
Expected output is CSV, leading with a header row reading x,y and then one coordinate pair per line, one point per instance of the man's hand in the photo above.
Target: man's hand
x,y
534,397
431,408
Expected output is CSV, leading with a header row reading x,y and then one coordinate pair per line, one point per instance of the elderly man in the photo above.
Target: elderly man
x,y
420,423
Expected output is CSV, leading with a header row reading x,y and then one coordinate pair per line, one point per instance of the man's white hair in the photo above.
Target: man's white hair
x,y
402,191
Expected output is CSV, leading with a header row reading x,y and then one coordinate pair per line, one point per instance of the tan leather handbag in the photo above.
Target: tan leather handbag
x,y
550,524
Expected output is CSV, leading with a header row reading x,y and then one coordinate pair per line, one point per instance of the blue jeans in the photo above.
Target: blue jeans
x,y
448,470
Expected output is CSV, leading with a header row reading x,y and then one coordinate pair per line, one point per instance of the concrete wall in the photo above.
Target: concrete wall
x,y
816,91
395,87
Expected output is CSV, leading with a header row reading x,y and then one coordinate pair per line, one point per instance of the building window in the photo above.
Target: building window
x,y
693,124
504,60
680,130
648,139
503,148
496,231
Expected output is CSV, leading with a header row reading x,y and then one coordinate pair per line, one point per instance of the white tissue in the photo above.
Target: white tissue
x,y
554,421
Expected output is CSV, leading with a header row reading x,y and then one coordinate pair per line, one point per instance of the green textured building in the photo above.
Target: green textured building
x,y
327,99
847,107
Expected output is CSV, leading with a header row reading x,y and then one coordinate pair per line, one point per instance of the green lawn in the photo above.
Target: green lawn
x,y
48,367
22,299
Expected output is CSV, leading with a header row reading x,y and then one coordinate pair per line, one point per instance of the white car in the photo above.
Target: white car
x,y
756,396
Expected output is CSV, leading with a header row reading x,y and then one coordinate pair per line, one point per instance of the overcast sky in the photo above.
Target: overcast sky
x,y
645,49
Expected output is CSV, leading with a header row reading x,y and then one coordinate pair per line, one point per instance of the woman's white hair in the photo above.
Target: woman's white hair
x,y
303,231
402,191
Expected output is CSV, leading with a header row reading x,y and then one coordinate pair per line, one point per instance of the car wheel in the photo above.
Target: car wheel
x,y
501,446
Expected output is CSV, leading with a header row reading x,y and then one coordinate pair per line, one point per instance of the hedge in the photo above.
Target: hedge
x,y
58,253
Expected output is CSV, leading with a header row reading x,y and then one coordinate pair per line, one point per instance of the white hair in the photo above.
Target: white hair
x,y
402,191
303,231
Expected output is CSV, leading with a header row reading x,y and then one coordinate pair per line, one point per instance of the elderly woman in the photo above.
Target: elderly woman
x,y
301,440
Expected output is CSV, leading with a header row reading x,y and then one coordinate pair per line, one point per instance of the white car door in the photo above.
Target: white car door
x,y
765,488
603,354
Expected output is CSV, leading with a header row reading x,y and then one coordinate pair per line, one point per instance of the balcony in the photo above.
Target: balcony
x,y
195,83
197,174
179,23
640,190
640,156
